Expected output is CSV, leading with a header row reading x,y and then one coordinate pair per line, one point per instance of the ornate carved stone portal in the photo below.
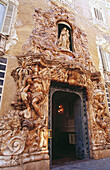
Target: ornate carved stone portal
x,y
24,130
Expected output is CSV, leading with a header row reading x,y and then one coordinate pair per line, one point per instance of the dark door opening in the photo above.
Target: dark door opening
x,y
68,123
63,138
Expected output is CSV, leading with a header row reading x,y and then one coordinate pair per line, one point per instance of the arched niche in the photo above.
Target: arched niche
x,y
64,36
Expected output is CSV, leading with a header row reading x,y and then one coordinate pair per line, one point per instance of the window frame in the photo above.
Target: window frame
x,y
95,19
98,15
108,97
3,78
104,59
7,4
99,23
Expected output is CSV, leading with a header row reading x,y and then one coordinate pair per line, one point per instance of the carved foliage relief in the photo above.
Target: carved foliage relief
x,y
46,58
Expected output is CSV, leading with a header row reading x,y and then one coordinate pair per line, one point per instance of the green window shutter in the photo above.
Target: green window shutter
x,y
8,19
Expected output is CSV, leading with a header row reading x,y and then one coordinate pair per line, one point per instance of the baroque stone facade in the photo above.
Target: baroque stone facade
x,y
47,58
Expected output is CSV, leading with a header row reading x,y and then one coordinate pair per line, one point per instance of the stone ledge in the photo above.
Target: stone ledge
x,y
8,161
101,154
39,165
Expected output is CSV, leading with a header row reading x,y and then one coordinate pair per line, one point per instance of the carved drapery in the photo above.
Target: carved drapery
x,y
63,41
24,130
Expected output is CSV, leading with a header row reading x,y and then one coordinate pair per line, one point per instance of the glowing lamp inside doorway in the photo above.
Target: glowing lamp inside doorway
x,y
61,109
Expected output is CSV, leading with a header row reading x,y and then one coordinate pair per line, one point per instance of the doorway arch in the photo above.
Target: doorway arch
x,y
68,122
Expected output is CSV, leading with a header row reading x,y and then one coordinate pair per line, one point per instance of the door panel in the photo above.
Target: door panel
x,y
78,129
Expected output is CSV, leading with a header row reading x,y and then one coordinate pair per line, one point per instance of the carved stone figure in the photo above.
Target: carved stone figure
x,y
43,138
100,115
63,41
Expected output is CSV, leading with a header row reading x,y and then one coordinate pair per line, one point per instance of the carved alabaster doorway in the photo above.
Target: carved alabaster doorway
x,y
69,139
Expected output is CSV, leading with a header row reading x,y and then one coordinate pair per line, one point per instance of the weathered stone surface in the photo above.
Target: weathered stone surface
x,y
39,165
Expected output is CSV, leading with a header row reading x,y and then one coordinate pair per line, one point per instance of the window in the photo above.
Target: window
x,y
108,97
2,13
105,57
6,14
3,63
98,14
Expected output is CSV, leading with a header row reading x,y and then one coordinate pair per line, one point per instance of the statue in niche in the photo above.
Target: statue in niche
x,y
63,41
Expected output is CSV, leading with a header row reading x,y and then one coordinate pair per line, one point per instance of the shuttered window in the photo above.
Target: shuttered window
x,y
108,61
3,63
105,59
7,21
98,14
108,97
102,54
